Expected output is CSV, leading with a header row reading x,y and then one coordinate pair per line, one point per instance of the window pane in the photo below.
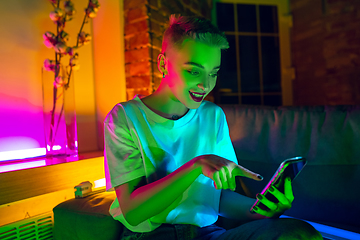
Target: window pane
x,y
275,100
225,16
229,100
228,73
246,18
271,64
249,64
268,19
251,100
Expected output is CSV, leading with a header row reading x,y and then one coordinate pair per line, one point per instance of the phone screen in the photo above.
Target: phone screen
x,y
288,168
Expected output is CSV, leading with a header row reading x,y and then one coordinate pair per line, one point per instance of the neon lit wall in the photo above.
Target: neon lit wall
x,y
22,53
20,61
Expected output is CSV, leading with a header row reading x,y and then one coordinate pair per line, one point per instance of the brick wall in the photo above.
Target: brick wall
x,y
145,22
326,51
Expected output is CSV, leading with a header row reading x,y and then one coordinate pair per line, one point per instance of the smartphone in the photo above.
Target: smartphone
x,y
289,168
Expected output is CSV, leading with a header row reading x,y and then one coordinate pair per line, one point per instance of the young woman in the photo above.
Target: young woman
x,y
169,155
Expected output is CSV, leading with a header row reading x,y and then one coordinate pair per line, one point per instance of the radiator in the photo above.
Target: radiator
x,y
39,227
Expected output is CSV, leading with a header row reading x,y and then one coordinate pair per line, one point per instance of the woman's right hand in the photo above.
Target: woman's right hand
x,y
223,171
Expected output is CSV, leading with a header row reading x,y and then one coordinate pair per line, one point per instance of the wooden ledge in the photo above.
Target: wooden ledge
x,y
27,183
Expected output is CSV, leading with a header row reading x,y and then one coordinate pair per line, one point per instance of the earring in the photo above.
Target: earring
x,y
163,75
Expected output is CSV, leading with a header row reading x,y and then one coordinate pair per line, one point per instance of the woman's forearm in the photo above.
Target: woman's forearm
x,y
151,199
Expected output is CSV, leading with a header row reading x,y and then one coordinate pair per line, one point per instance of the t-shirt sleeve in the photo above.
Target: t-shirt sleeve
x,y
122,156
223,140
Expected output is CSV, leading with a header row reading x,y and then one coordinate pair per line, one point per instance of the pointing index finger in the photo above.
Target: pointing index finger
x,y
238,170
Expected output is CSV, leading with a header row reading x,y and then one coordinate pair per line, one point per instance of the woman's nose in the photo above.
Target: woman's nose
x,y
204,85
201,86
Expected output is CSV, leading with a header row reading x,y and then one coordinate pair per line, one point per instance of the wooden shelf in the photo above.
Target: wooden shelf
x,y
27,183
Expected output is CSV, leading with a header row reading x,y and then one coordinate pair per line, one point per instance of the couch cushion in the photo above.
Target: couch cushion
x,y
328,136
325,135
86,218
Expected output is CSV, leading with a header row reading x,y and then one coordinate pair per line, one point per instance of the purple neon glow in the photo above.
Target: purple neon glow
x,y
21,154
22,125
55,147
26,153
19,166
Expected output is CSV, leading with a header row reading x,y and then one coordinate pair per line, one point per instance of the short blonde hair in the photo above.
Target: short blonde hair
x,y
196,28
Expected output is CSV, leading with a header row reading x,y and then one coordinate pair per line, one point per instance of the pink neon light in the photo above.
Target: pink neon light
x,y
21,154
55,147
20,166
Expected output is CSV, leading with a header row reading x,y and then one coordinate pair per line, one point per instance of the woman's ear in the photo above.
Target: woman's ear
x,y
162,64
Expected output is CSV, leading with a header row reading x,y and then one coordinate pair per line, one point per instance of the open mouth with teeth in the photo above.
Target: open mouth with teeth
x,y
197,97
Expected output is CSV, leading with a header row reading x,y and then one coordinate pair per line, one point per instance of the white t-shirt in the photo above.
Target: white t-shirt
x,y
139,142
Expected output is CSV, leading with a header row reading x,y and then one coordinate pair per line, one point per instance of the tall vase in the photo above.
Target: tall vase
x,y
59,116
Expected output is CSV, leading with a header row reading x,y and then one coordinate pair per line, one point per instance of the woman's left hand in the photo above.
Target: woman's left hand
x,y
276,209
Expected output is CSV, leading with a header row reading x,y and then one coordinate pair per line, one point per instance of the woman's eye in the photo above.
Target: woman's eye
x,y
194,73
214,75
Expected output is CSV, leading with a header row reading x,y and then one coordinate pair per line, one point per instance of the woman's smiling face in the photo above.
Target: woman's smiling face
x,y
192,72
